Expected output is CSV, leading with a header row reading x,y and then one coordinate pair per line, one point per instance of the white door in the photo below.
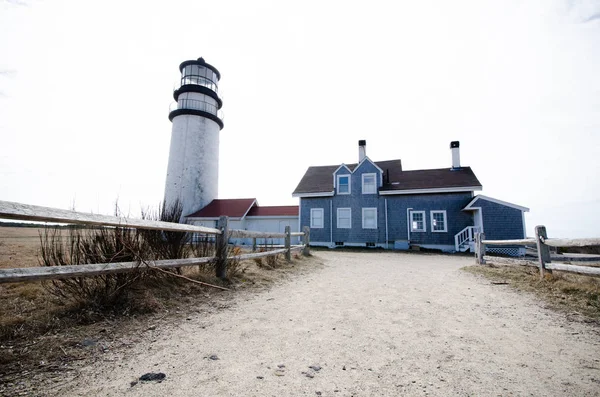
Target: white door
x,y
478,220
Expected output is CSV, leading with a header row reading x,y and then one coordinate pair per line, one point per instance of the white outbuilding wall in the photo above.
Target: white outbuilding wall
x,y
273,224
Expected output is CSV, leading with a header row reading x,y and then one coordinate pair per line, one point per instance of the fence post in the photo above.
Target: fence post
x,y
543,249
288,243
254,244
306,241
221,249
479,248
483,248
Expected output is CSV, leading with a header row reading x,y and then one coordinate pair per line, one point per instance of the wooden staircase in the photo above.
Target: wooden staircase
x,y
465,239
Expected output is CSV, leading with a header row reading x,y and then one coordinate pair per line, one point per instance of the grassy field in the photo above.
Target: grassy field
x,y
21,302
19,246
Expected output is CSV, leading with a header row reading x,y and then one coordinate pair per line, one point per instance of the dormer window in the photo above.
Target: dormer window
x,y
369,183
343,184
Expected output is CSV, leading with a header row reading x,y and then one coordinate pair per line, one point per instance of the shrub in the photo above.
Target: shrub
x,y
82,246
234,265
258,261
109,245
165,244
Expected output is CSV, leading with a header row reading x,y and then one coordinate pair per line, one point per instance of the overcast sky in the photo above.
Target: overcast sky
x,y
85,89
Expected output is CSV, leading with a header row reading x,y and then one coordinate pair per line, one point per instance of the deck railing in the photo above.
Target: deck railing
x,y
467,234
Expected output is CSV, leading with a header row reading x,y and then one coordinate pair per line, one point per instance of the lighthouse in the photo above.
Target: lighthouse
x,y
193,170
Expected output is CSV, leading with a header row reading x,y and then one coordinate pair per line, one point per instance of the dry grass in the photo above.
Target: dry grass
x,y
40,333
567,292
267,262
19,247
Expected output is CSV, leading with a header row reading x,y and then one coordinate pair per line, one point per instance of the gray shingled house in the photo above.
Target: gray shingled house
x,y
378,204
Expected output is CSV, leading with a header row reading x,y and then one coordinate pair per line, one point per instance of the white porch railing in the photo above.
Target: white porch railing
x,y
466,235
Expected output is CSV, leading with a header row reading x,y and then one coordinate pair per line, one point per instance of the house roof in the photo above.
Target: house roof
x,y
233,208
319,179
238,208
471,207
281,210
441,178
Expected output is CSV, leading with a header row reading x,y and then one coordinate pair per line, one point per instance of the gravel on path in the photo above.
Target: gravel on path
x,y
364,324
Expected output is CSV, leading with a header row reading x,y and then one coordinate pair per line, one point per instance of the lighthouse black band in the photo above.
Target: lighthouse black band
x,y
194,112
199,63
199,89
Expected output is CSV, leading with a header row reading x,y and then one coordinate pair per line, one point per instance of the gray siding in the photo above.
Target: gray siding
x,y
500,222
319,235
452,203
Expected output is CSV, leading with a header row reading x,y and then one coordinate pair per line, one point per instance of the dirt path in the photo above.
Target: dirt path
x,y
377,324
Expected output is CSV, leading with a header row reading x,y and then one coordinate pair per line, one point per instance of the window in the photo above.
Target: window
x,y
344,218
316,218
369,218
343,184
417,221
369,184
438,221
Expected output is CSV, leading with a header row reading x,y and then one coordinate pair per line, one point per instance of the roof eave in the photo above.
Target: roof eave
x,y
254,202
257,217
315,194
210,218
370,161
493,200
430,190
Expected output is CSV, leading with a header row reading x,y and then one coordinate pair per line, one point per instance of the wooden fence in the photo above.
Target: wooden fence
x,y
18,211
543,244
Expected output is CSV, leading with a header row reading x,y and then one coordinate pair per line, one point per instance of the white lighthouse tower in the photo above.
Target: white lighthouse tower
x,y
193,170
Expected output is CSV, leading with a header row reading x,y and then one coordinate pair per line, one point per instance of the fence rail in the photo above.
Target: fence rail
x,y
18,211
543,244
26,212
575,242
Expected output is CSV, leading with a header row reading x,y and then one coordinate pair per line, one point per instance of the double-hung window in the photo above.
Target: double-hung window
x,y
344,218
438,221
369,183
343,184
369,218
417,221
316,218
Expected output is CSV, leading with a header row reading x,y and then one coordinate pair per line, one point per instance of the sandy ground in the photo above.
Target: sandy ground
x,y
377,324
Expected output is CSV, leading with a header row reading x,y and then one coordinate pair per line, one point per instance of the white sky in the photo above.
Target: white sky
x,y
85,89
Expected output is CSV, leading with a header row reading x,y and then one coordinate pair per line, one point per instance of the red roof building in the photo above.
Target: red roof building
x,y
233,208
241,208
246,214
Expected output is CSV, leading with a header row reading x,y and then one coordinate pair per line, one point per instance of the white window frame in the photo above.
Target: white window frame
x,y
374,183
349,218
314,211
412,221
363,217
349,183
443,212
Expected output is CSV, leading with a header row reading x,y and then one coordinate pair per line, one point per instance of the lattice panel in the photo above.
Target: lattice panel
x,y
505,251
